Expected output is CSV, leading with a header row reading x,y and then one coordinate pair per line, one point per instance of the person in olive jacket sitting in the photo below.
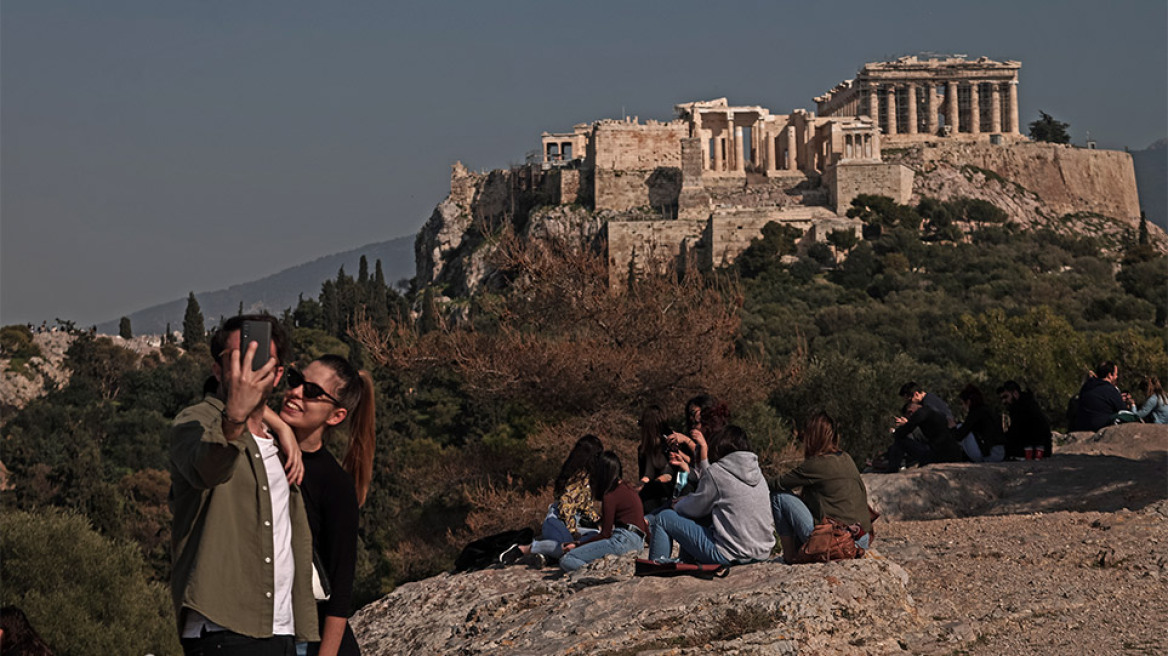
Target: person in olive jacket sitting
x,y
831,487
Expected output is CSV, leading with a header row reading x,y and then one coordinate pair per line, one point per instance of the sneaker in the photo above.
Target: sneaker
x,y
533,561
511,555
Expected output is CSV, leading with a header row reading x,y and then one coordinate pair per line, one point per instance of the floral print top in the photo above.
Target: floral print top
x,y
576,501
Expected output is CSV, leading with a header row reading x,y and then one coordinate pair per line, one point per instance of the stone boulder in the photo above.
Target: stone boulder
x,y
1107,471
856,607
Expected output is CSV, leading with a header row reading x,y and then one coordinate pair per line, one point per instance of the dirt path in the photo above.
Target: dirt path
x,y
1061,583
1068,556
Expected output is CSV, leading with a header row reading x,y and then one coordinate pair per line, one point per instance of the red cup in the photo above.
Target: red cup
x,y
1039,452
1029,452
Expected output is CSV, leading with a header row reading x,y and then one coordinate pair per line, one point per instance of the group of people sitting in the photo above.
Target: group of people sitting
x,y
702,490
1099,402
927,431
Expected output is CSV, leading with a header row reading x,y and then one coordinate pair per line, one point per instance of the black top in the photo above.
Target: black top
x,y
985,426
935,428
1028,426
330,500
1099,400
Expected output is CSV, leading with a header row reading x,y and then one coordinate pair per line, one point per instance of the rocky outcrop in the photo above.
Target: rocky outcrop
x,y
1105,471
1039,185
20,385
854,607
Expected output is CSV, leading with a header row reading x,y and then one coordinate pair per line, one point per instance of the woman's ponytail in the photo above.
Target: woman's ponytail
x,y
358,460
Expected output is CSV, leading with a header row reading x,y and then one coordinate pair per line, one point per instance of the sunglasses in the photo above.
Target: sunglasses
x,y
311,390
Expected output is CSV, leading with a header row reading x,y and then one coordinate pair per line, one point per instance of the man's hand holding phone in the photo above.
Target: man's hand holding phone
x,y
246,389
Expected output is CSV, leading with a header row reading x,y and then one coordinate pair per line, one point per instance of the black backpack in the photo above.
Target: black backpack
x,y
485,552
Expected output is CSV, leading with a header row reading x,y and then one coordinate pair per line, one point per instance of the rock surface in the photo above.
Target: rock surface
x,y
764,608
1019,559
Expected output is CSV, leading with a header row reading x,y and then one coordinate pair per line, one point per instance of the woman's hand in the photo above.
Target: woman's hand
x,y
568,546
294,464
665,478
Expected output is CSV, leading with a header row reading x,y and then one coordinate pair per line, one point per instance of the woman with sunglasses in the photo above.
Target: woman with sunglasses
x,y
328,393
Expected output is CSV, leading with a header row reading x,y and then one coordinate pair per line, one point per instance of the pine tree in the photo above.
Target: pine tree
x,y
124,329
1143,239
194,329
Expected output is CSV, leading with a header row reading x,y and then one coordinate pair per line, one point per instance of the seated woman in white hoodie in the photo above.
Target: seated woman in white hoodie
x,y
733,494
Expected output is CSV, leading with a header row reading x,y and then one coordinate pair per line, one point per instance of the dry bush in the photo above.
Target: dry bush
x,y
584,359
560,340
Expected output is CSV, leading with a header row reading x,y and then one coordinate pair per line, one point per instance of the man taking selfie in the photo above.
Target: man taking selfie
x,y
240,544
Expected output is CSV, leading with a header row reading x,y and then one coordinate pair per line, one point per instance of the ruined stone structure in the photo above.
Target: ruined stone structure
x,y
913,100
695,190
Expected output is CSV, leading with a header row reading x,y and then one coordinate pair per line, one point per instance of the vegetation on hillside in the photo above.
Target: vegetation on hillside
x,y
475,416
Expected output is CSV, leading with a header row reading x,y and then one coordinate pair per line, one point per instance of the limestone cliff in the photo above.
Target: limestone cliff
x,y
1068,190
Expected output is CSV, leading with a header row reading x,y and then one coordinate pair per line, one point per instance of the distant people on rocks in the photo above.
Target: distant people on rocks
x,y
1155,407
572,515
622,518
1100,401
922,434
1029,427
727,519
831,487
980,433
234,489
912,393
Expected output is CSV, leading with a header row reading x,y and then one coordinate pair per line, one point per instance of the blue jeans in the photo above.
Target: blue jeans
x,y
623,541
555,532
793,519
696,541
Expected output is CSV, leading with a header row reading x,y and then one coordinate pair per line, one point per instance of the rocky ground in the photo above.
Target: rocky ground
x,y
1061,556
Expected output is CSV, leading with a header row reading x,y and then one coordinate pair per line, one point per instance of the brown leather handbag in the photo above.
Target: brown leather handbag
x,y
830,540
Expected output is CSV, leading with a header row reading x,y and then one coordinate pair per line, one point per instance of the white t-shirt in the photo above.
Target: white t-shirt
x,y
283,619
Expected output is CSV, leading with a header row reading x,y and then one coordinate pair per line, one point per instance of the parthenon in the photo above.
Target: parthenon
x,y
708,180
916,100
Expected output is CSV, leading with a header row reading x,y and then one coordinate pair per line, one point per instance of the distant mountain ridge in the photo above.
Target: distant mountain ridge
x,y
276,292
1151,166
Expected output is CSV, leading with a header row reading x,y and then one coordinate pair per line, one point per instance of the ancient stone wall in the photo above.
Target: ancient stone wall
x,y
846,181
659,246
1067,179
563,186
636,165
628,146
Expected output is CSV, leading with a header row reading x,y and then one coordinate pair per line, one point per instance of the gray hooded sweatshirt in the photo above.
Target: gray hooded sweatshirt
x,y
734,492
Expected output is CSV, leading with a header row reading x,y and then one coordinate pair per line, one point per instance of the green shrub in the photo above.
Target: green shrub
x,y
83,593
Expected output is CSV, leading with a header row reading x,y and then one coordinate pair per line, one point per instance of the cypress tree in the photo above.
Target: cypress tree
x,y
194,329
124,329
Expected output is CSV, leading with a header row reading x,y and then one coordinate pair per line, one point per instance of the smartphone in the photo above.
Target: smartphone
x,y
261,333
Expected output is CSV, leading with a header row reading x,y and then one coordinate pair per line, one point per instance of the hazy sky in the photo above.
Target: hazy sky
x,y
152,148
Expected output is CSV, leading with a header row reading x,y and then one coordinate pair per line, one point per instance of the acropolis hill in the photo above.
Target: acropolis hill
x,y
695,190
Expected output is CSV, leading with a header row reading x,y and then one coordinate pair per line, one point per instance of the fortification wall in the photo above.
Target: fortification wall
x,y
846,181
1067,179
633,147
658,246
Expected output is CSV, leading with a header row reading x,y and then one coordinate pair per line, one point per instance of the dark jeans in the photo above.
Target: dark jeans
x,y
918,451
227,643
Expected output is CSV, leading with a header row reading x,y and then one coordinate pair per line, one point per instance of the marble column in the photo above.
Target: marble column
x,y
931,108
912,108
719,148
974,108
995,107
1012,107
700,135
771,164
792,151
739,150
951,106
890,109
874,104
